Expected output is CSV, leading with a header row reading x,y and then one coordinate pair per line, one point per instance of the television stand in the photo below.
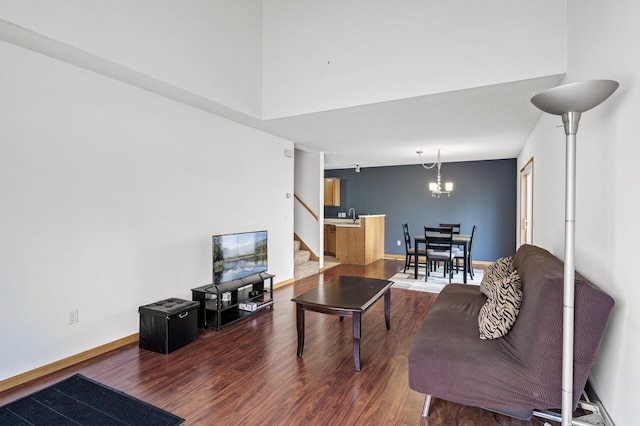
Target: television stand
x,y
226,303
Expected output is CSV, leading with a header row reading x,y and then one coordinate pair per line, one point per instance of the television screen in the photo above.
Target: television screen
x,y
239,255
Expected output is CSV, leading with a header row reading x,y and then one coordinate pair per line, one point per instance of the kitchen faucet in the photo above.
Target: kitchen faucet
x,y
354,214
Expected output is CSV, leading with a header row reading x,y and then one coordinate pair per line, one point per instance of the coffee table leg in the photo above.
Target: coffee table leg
x,y
387,309
300,326
356,339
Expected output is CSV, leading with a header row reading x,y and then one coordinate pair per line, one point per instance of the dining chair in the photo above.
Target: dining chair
x,y
454,226
439,247
434,265
455,229
459,254
410,252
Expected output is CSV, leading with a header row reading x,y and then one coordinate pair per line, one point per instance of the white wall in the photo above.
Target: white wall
x,y
212,48
607,196
321,55
110,195
309,185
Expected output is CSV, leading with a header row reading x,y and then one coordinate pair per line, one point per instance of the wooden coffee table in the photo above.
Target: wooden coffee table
x,y
345,297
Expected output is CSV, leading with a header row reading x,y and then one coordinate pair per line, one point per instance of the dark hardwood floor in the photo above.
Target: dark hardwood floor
x,y
249,374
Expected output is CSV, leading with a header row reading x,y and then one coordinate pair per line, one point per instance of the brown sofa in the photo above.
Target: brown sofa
x,y
521,371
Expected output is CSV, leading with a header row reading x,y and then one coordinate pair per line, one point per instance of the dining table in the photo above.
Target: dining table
x,y
461,240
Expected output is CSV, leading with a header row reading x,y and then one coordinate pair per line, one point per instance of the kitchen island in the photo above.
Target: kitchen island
x,y
360,242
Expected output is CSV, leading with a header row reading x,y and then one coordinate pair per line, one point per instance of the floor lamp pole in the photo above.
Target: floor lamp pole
x,y
570,101
570,120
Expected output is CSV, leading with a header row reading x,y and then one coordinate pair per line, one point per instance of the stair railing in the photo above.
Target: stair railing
x,y
307,208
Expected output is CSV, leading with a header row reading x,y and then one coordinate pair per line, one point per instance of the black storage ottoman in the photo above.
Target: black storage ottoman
x,y
168,325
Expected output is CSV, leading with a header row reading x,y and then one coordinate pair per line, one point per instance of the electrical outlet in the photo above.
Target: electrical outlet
x,y
73,316
399,243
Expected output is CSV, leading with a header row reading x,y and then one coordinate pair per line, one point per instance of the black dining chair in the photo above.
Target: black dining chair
x,y
455,229
439,247
459,254
410,252
454,226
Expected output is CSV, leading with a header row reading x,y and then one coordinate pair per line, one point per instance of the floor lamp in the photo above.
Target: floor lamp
x,y
570,101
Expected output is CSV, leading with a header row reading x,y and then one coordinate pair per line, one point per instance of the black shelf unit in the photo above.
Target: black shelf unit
x,y
217,313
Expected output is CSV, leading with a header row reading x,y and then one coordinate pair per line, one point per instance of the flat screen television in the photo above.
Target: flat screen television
x,y
236,256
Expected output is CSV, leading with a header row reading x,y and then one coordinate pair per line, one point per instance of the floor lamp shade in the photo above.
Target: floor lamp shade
x,y
570,101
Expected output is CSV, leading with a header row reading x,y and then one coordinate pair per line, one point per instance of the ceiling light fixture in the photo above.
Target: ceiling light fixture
x,y
357,168
436,187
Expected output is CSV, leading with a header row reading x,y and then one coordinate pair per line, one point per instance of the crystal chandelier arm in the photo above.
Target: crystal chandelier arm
x,y
430,166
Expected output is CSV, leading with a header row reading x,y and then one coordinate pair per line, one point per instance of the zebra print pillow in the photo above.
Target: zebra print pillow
x,y
499,269
501,309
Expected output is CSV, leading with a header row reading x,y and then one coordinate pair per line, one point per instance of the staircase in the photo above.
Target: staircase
x,y
302,266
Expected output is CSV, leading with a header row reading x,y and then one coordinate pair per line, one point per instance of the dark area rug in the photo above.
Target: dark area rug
x,y
82,401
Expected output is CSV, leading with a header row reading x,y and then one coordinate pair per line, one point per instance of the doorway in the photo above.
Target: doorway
x,y
526,203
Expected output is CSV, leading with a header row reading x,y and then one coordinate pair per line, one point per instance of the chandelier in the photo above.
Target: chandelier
x,y
436,187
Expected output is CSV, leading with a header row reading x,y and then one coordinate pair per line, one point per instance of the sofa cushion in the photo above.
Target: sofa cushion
x,y
449,361
500,311
501,268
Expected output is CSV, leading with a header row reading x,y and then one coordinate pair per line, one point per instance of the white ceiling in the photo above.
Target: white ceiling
x,y
491,122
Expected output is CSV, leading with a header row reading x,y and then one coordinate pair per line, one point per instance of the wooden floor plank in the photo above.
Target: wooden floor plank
x,y
248,373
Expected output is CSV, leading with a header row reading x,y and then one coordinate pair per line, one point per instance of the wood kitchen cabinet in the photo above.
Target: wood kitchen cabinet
x,y
363,244
332,192
330,240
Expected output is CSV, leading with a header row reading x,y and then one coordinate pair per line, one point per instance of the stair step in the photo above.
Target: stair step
x,y
301,256
302,266
302,270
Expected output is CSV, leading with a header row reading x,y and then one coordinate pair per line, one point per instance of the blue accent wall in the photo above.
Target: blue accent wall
x,y
484,194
